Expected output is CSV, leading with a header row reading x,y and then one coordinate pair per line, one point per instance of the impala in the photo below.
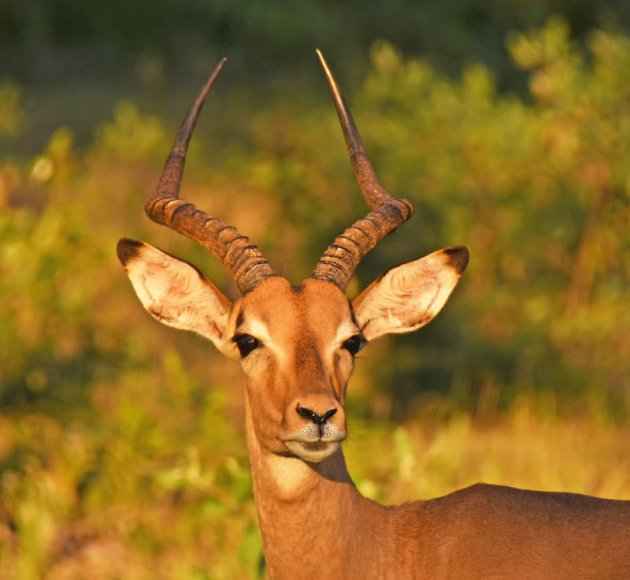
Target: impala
x,y
297,345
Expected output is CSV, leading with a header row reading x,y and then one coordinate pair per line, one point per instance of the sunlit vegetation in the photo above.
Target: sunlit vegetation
x,y
122,451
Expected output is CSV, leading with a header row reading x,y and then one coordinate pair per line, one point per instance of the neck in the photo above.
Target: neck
x,y
311,515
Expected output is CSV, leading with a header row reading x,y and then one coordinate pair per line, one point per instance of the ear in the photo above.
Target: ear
x,y
176,293
410,295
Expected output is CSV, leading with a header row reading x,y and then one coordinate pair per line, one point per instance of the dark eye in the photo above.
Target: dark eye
x,y
354,344
246,343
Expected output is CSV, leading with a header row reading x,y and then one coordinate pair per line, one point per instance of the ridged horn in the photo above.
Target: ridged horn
x,y
243,260
388,213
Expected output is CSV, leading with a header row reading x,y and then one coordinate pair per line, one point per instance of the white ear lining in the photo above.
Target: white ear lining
x,y
176,293
409,296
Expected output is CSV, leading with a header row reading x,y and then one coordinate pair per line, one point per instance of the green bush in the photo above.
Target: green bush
x,y
121,452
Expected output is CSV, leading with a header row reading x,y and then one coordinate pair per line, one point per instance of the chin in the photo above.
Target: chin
x,y
313,452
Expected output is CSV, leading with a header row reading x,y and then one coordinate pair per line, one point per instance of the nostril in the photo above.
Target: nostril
x,y
313,416
327,415
308,414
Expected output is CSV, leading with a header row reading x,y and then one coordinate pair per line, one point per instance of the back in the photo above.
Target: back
x,y
500,532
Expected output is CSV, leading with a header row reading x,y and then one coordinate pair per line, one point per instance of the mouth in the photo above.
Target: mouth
x,y
313,452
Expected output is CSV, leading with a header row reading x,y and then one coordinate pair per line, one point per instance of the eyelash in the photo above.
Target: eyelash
x,y
246,343
354,344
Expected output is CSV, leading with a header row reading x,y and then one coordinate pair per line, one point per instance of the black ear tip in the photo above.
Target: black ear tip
x,y
458,257
127,250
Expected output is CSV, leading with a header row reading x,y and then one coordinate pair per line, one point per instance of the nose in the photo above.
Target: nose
x,y
313,416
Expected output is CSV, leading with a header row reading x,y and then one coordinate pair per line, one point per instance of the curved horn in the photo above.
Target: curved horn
x,y
244,261
388,213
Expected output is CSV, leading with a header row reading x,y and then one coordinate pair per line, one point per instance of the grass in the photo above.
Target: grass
x,y
123,457
86,502
522,448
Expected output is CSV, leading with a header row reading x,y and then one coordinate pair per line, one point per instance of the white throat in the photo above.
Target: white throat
x,y
287,474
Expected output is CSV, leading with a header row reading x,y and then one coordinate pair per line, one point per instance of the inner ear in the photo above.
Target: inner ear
x,y
176,293
411,295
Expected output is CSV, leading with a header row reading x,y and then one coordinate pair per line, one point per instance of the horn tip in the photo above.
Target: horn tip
x,y
323,61
213,77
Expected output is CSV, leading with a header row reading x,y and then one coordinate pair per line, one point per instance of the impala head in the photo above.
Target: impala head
x,y
296,344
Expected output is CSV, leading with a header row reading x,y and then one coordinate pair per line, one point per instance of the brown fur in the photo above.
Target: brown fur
x,y
313,520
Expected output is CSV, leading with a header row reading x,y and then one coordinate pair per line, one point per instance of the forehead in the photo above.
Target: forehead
x,y
281,307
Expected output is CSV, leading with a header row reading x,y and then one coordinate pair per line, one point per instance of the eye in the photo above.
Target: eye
x,y
354,344
246,343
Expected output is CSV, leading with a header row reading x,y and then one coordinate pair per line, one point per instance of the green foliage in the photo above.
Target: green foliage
x,y
121,453
43,37
538,191
48,267
159,483
10,111
132,135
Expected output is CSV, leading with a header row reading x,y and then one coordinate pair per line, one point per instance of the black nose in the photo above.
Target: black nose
x,y
313,416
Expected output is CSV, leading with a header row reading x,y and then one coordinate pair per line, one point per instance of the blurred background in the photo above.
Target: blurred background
x,y
122,451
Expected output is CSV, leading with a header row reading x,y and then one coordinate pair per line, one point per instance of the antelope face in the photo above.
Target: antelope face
x,y
296,344
297,348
